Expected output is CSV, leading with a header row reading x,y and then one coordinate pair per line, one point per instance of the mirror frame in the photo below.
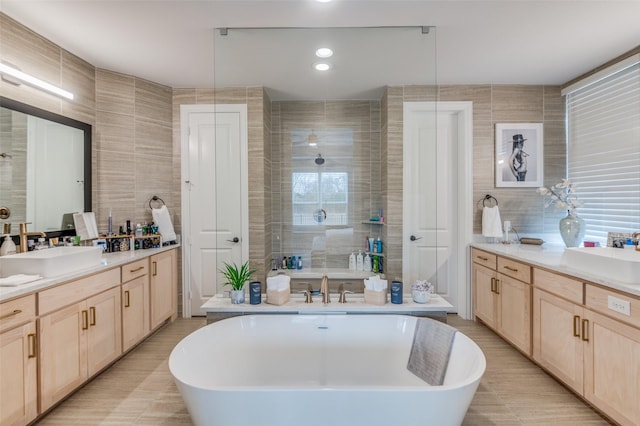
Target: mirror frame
x,y
61,119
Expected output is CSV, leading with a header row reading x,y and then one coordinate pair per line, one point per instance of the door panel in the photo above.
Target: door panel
x,y
216,199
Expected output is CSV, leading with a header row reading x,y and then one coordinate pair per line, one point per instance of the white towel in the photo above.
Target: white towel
x,y
18,279
279,283
491,223
375,283
162,218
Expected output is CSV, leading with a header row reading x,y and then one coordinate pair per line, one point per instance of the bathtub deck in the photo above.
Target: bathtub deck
x,y
220,307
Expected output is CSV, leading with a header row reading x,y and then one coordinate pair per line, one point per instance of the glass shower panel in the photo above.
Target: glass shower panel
x,y
324,146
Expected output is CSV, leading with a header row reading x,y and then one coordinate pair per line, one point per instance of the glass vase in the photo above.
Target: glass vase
x,y
572,228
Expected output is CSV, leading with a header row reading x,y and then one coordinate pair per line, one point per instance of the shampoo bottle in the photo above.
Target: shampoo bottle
x,y
8,246
352,261
367,263
359,261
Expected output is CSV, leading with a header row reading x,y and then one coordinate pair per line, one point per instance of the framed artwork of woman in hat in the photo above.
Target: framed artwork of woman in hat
x,y
519,155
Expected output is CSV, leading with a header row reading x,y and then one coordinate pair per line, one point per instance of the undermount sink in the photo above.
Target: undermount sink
x,y
608,262
51,262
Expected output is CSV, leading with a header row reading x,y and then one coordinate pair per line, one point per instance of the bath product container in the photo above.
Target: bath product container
x,y
396,292
359,261
378,245
299,263
352,261
8,246
255,292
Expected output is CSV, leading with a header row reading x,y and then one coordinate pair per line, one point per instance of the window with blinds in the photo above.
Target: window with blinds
x,y
603,148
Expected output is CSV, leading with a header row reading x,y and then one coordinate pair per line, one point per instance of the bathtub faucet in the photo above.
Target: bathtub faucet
x,y
324,289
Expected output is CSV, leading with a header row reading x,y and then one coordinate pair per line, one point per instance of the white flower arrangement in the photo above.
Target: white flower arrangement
x,y
562,195
422,285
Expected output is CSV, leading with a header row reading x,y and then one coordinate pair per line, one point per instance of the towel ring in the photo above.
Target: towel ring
x,y
486,198
156,198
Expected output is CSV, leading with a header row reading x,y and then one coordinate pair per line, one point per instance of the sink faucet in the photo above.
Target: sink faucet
x,y
324,289
343,294
24,236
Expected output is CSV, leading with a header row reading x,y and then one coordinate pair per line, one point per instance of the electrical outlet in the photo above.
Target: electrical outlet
x,y
619,305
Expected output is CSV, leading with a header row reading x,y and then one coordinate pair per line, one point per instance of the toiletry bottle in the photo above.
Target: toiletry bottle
x,y
367,263
359,261
138,230
8,246
378,245
352,261
375,264
40,245
299,262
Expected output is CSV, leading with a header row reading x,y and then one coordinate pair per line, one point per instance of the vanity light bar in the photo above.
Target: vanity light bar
x,y
33,81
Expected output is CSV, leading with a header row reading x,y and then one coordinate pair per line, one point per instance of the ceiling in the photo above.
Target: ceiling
x,y
171,42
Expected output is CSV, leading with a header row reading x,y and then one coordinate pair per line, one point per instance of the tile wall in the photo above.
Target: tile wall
x,y
349,140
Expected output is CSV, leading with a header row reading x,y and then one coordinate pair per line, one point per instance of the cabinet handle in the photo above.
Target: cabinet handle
x,y
576,326
92,315
85,320
497,286
131,271
493,285
155,268
10,314
585,330
126,299
509,268
32,345
484,259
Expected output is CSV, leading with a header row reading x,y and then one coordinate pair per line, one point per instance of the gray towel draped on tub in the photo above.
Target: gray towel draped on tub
x,y
431,349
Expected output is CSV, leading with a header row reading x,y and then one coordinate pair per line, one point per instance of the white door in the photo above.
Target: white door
x,y
214,198
437,190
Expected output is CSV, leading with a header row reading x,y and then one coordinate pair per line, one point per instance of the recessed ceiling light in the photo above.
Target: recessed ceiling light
x,y
324,52
322,66
323,1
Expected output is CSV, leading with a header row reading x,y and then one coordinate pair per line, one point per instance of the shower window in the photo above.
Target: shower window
x,y
328,191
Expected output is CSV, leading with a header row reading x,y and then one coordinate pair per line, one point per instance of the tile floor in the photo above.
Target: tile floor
x,y
139,390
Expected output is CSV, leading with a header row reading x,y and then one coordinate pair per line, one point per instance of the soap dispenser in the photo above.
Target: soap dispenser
x,y
359,261
352,262
8,246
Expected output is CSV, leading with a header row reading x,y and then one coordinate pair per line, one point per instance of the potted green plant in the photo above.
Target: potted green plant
x,y
236,277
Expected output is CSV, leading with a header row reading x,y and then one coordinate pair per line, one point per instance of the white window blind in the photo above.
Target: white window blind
x,y
603,152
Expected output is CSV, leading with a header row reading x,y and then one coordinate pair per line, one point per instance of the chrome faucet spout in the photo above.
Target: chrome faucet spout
x,y
324,289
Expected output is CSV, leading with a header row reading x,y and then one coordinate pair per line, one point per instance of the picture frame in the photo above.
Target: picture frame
x,y
519,155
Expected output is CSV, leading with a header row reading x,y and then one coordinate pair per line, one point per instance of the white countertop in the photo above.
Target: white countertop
x,y
109,260
549,256
355,304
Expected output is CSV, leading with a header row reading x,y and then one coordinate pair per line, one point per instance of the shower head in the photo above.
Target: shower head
x,y
319,160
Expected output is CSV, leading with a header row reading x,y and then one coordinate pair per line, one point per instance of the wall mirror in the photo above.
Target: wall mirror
x,y
45,167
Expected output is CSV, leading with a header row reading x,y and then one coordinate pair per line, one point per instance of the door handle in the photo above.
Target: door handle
x,y
414,238
234,240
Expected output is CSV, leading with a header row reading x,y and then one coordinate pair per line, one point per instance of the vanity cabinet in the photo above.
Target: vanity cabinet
x,y
502,297
135,302
163,290
581,341
18,361
80,333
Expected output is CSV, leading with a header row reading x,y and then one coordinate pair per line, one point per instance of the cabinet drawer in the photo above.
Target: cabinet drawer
x,y
599,299
567,288
135,269
517,270
17,311
483,258
75,291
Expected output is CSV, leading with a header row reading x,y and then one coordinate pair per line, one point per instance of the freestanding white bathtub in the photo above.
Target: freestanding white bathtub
x,y
328,370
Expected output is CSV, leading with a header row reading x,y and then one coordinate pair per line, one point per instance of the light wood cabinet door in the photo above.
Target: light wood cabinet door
x,y
557,337
162,287
514,311
18,375
63,352
484,297
612,367
135,311
104,337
